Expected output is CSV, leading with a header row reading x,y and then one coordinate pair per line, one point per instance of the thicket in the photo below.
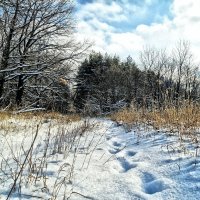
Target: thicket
x,y
37,50
105,84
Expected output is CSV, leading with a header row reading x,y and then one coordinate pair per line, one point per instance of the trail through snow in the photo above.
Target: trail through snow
x,y
141,164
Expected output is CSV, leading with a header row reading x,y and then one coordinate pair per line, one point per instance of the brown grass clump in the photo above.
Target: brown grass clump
x,y
49,116
186,118
39,116
127,116
5,115
10,121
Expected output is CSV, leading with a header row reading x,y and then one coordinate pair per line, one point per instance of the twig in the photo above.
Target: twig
x,y
21,169
86,197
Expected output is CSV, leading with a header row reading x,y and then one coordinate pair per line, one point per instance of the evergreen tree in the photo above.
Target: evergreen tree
x,y
90,75
82,85
104,83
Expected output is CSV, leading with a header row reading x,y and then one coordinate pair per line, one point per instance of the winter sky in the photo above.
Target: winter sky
x,y
124,27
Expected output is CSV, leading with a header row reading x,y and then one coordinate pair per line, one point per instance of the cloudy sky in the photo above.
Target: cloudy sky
x,y
124,27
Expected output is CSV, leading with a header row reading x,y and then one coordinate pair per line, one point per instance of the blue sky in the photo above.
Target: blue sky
x,y
124,27
136,12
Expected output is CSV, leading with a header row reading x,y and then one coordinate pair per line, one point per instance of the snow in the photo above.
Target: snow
x,y
106,162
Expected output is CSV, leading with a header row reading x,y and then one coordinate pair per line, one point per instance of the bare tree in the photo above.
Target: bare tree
x,y
154,62
9,15
182,60
41,41
170,79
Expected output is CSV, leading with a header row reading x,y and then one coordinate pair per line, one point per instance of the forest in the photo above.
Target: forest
x,y
77,123
44,67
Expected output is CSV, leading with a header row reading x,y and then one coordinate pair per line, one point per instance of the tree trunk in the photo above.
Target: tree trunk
x,y
20,90
2,81
6,50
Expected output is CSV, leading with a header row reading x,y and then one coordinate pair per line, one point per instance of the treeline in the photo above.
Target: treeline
x,y
38,51
105,84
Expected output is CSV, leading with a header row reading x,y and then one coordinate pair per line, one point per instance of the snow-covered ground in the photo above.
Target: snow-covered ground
x,y
105,162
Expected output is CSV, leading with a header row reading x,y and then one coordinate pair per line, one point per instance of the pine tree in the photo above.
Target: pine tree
x,y
104,83
89,76
83,85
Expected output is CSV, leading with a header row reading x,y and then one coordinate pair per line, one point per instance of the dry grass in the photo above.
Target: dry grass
x,y
5,115
11,122
185,119
32,148
183,123
128,116
39,116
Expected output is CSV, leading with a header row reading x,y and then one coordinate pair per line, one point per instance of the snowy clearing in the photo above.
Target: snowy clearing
x,y
96,159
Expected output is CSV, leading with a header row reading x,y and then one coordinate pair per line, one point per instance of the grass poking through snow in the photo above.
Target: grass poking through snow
x,y
38,154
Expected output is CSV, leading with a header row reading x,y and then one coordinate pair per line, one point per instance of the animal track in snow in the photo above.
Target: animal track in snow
x,y
152,185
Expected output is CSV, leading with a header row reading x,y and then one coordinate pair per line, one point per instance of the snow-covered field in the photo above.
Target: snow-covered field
x,y
95,159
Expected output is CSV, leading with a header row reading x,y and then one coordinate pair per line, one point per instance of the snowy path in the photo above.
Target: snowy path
x,y
140,167
112,164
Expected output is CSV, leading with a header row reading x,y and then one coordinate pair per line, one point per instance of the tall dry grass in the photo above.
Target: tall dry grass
x,y
28,157
7,118
186,119
183,123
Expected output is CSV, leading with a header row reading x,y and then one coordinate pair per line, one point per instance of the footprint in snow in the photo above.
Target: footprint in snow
x,y
130,153
116,148
108,138
151,185
125,164
147,177
114,151
116,144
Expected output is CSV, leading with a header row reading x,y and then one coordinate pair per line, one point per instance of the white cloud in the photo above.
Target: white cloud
x,y
125,44
111,12
184,25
